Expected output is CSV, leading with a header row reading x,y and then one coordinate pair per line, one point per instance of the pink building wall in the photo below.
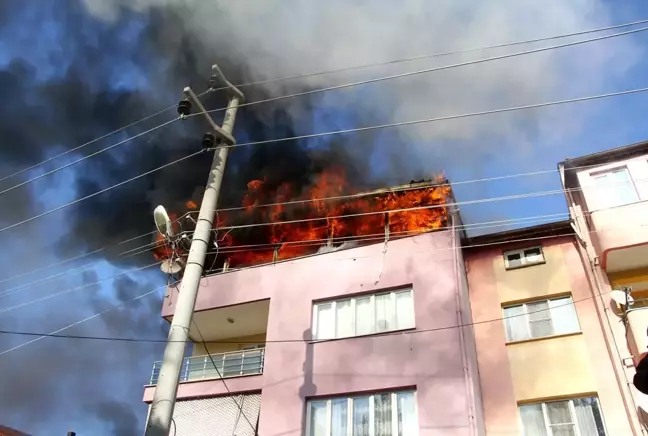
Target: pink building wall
x,y
430,357
620,226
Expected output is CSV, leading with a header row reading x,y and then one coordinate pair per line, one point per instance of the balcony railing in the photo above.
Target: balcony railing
x,y
230,364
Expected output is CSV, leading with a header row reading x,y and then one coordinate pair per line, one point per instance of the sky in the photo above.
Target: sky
x,y
73,71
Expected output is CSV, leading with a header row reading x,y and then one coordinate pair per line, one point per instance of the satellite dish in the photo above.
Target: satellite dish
x,y
621,297
163,222
171,266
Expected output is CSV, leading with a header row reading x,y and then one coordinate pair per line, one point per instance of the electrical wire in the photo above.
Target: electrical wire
x,y
101,191
86,144
315,135
229,393
260,82
74,324
278,341
428,56
110,147
76,288
332,88
427,70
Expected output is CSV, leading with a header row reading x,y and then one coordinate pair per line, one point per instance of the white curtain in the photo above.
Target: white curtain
x,y
343,319
563,316
339,417
385,313
318,418
515,321
364,318
406,414
361,416
382,415
404,310
533,420
589,417
325,321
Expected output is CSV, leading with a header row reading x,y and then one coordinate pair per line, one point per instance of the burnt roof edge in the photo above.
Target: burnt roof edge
x,y
605,156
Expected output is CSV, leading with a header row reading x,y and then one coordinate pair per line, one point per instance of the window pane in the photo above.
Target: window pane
x,y
558,412
533,255
318,418
588,416
406,414
533,420
361,416
515,320
513,260
382,415
563,316
364,318
325,321
614,188
539,319
404,310
339,417
343,319
385,313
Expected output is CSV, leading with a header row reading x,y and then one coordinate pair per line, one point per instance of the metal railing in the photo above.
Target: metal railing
x,y
230,364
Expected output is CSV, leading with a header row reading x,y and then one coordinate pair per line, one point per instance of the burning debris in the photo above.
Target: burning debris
x,y
276,222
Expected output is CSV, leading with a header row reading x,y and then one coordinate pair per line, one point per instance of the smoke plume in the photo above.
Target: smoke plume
x,y
73,71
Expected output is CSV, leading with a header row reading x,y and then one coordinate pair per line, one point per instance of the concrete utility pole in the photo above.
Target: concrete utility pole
x,y
161,413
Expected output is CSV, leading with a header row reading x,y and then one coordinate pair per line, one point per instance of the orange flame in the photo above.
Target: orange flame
x,y
302,228
191,205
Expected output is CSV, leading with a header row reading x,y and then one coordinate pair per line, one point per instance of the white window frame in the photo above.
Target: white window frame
x,y
372,303
528,322
394,411
601,173
523,259
572,413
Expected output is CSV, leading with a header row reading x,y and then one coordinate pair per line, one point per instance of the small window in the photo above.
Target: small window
x,y
540,319
364,315
613,188
382,414
523,257
577,417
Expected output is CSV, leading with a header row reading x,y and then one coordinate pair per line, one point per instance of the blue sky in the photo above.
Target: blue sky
x,y
610,123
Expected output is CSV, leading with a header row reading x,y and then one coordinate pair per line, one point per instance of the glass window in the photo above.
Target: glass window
x,y
580,416
383,414
540,319
614,188
523,257
364,315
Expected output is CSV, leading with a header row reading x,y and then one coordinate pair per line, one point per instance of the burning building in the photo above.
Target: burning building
x,y
327,313
276,223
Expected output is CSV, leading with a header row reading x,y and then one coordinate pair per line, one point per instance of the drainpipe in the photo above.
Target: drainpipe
x,y
607,332
464,358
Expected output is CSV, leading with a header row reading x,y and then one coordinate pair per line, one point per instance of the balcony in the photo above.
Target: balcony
x,y
235,337
227,365
636,331
622,234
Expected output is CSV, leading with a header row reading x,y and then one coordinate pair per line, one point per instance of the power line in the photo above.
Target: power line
x,y
428,56
315,135
394,61
429,70
331,88
76,288
269,341
110,147
69,326
86,144
101,191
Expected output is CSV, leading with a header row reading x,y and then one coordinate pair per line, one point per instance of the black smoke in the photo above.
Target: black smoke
x,y
92,78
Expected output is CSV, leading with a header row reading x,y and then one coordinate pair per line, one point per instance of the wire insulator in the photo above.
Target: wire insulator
x,y
208,141
184,108
213,82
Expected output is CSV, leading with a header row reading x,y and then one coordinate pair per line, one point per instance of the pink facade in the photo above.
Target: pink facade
x,y
435,358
